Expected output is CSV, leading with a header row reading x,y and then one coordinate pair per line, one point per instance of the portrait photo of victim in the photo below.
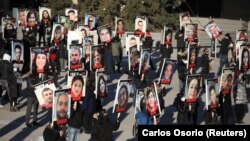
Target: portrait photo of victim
x,y
105,33
212,30
22,17
71,14
61,106
40,62
44,14
17,53
90,21
131,41
192,57
167,71
152,102
122,94
241,35
44,93
226,83
192,88
191,33
167,36
184,19
244,58
75,57
32,18
134,57
101,85
144,61
139,101
8,28
77,87
119,26
212,92
57,34
140,26
97,57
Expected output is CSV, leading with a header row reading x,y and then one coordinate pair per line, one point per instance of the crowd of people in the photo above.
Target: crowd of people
x,y
92,54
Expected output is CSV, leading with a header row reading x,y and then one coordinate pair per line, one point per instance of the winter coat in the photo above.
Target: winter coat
x,y
166,51
6,69
116,48
75,119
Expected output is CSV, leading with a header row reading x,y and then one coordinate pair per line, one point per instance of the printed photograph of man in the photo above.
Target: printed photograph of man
x,y
61,106
72,14
17,53
90,21
212,30
132,40
75,57
22,17
191,35
184,19
140,26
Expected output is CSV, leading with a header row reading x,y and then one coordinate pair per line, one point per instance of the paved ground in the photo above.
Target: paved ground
x,y
12,124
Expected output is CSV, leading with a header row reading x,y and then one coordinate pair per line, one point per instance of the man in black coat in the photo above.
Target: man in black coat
x,y
103,127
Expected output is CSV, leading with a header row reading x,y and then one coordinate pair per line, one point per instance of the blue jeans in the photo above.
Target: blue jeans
x,y
73,134
223,62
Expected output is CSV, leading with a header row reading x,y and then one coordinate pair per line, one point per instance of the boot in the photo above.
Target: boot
x,y
15,108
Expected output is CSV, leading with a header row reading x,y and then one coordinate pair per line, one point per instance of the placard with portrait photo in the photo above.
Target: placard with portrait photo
x,y
105,33
74,37
8,28
90,21
84,30
44,92
226,81
144,65
17,54
139,101
61,19
57,34
152,101
77,84
95,36
39,59
61,106
212,92
241,35
212,30
122,95
167,35
132,40
72,14
32,18
192,88
244,63
22,14
97,57
75,57
119,26
184,19
192,56
140,25
167,71
101,84
44,13
231,60
133,58
88,42
191,33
